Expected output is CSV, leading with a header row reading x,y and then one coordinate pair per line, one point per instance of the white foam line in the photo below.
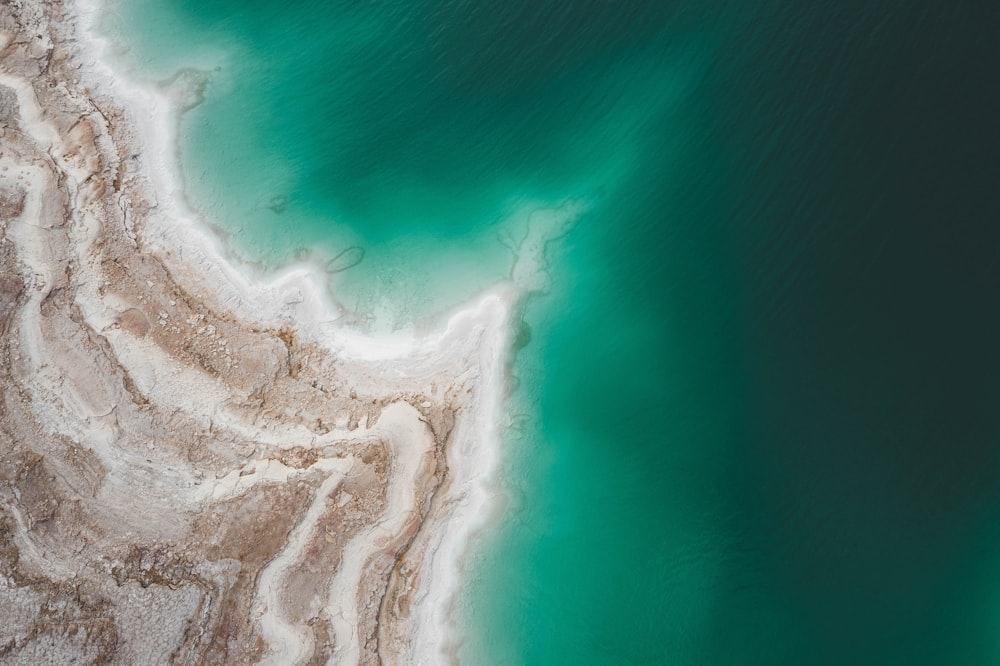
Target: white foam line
x,y
474,459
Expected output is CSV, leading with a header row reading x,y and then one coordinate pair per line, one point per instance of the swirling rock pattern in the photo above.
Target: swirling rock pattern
x,y
181,481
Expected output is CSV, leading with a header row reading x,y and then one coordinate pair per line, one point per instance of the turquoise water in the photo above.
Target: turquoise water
x,y
332,126
756,412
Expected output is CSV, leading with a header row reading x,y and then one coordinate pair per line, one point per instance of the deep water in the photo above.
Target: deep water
x,y
757,417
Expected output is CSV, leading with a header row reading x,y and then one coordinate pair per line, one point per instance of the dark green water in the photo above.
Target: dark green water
x,y
760,403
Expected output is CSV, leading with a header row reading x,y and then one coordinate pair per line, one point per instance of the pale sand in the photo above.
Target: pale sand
x,y
200,465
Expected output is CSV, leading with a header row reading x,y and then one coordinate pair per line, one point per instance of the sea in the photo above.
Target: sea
x,y
755,415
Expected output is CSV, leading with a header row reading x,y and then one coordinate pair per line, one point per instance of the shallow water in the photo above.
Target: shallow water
x,y
756,417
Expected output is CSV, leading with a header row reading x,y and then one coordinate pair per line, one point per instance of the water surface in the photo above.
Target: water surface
x,y
756,416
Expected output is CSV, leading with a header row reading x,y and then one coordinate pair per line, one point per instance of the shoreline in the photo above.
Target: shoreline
x,y
308,280
203,389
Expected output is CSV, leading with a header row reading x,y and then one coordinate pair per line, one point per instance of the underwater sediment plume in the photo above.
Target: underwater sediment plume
x,y
196,465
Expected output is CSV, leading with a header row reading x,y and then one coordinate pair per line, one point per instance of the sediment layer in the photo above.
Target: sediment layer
x,y
194,471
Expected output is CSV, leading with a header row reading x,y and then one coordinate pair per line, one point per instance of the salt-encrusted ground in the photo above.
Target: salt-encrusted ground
x,y
196,466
